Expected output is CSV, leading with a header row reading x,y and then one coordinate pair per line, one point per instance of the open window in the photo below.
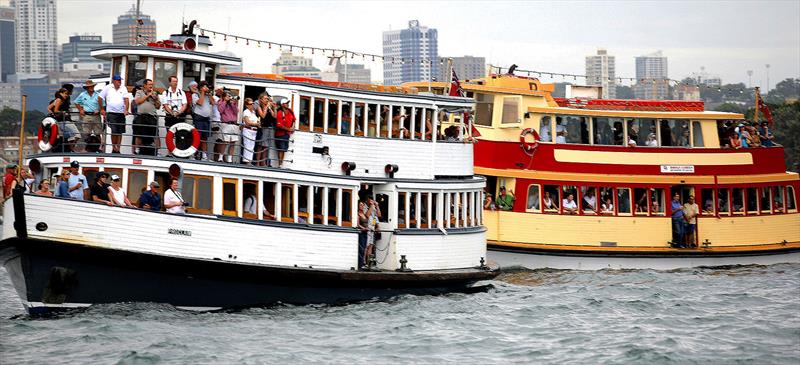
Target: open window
x,y
303,215
319,202
372,120
624,201
319,115
643,132
347,208
658,203
287,202
588,202
778,199
534,199
424,210
402,206
545,129
641,201
608,131
569,200
551,201
191,72
707,201
250,199
791,203
737,201
435,209
723,201
304,113
577,129
230,198
605,201
268,191
765,204
333,117
752,201
332,217
412,213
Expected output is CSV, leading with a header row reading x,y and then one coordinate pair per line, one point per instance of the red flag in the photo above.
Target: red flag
x,y
765,110
455,86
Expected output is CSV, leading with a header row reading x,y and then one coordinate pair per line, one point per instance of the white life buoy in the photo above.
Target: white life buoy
x,y
183,139
49,125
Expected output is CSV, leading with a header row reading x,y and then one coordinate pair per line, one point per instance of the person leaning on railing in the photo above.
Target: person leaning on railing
x,y
89,110
174,101
283,129
58,109
228,128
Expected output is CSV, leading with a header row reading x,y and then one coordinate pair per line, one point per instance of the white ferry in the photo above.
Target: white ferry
x,y
300,242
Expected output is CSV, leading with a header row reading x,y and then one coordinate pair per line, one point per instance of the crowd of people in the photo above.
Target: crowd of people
x,y
746,134
264,129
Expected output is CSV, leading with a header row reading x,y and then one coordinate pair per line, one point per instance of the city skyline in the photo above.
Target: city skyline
x,y
724,49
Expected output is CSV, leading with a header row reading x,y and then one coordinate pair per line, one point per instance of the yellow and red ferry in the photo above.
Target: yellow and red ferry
x,y
622,161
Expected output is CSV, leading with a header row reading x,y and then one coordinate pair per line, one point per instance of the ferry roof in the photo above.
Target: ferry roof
x,y
109,52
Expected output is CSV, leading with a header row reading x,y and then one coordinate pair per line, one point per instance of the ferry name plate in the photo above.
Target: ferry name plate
x,y
677,169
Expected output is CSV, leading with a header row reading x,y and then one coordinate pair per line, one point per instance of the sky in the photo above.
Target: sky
x,y
728,38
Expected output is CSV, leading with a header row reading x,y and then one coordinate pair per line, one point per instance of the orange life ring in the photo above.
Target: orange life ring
x,y
46,145
529,147
177,138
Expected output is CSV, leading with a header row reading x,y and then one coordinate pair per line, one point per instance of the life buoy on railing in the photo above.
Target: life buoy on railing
x,y
49,125
183,139
529,147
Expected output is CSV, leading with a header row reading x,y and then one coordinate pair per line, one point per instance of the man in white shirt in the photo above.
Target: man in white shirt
x,y
117,100
174,101
173,201
569,205
561,131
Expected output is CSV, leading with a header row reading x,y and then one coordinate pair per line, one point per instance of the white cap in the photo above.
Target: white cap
x,y
114,177
285,101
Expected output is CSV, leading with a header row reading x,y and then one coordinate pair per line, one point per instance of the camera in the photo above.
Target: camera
x,y
187,204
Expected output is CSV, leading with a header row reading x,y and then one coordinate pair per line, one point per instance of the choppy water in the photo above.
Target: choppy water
x,y
733,315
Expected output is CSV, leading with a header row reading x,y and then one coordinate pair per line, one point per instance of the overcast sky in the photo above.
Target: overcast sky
x,y
726,37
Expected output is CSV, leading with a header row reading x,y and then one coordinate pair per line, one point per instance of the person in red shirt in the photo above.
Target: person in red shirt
x,y
9,180
283,129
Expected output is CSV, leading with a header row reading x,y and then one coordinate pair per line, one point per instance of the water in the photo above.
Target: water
x,y
748,314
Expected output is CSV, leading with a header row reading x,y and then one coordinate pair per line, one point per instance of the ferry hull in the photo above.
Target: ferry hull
x,y
51,275
675,259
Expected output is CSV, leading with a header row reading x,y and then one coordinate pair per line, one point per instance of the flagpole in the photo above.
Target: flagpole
x,y
450,75
758,105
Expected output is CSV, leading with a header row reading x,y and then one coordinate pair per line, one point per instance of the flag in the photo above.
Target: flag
x,y
765,110
456,90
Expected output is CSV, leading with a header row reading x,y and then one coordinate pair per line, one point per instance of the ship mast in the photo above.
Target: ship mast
x,y
138,22
758,99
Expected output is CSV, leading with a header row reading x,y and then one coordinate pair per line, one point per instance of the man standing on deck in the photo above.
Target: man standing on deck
x,y
690,212
202,106
9,180
117,100
505,201
89,110
174,101
677,222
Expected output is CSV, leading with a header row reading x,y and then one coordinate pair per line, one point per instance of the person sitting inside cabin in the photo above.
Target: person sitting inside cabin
x,y
708,206
548,201
735,141
607,207
589,202
44,188
777,205
99,190
62,184
77,182
118,195
533,200
151,199
346,120
690,212
173,201
651,140
505,201
569,205
488,203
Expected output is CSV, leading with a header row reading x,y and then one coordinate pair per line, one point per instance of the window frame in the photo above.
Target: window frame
x,y
538,200
194,199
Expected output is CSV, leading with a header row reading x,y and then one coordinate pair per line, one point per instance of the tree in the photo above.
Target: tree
x,y
786,89
786,128
9,121
730,108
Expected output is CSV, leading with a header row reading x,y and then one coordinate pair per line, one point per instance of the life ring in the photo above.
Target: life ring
x,y
183,139
46,144
529,147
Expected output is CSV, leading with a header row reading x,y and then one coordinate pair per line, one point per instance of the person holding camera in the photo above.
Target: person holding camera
x,y
145,124
173,201
174,101
229,126
283,129
250,128
202,104
266,111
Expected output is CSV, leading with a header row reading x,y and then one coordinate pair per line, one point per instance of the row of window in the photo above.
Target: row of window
x,y
136,71
626,201
607,131
346,117
425,209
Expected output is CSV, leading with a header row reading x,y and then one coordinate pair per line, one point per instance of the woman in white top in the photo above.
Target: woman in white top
x,y
117,194
607,207
250,126
651,140
173,201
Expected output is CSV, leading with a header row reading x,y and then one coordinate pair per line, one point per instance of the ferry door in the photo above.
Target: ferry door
x,y
685,191
384,195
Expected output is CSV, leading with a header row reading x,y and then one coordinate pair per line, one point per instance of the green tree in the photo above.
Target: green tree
x,y
731,108
786,89
786,128
9,121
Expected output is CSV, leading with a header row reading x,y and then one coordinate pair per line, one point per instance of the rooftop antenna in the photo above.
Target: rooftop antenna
x,y
138,21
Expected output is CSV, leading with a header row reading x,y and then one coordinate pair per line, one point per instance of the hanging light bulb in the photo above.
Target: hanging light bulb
x,y
258,44
248,42
269,45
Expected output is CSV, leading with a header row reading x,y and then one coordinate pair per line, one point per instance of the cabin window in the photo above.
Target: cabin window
x,y
319,201
607,131
359,115
605,201
435,209
569,199
484,106
765,205
424,211
675,133
287,202
319,115
268,199
643,132
383,204
723,202
658,201
697,134
347,208
534,199
551,200
116,66
229,197
302,204
624,201
304,113
198,190
347,118
331,216
468,204
791,203
777,199
707,201
752,201
137,71
191,72
455,203
511,110
333,116
738,201
576,129
412,212
429,128
210,71
588,200
137,183
250,199
640,197
544,129
372,120
163,70
401,210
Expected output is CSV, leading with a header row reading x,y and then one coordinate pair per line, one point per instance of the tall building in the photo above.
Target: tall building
x,y
652,82
467,68
410,54
75,54
8,46
124,32
297,66
600,71
706,79
10,96
37,50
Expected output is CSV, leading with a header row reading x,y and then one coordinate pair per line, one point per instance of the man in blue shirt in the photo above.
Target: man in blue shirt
x,y
90,111
77,182
677,221
150,199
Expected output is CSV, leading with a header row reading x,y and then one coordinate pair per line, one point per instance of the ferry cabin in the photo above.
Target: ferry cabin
x,y
631,157
342,144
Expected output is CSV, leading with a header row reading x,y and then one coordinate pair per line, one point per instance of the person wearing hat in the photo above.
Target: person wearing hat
x,y
76,182
9,180
117,101
89,111
283,129
99,189
117,193
265,109
151,199
505,201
